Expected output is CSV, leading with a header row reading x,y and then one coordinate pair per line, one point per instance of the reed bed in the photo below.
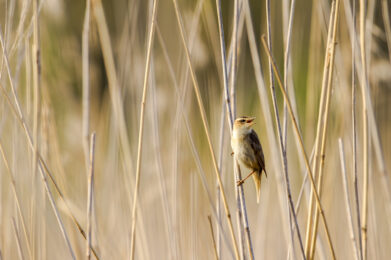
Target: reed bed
x,y
116,119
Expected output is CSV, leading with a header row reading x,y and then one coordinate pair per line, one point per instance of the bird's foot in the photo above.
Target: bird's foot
x,y
240,182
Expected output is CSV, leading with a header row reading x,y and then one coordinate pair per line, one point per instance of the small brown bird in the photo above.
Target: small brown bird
x,y
248,150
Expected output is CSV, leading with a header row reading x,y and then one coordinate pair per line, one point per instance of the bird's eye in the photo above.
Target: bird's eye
x,y
242,121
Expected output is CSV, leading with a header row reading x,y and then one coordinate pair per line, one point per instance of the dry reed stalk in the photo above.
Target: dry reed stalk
x,y
298,136
299,198
224,64
36,73
330,54
213,237
364,87
315,59
17,200
159,166
67,207
19,115
354,127
206,128
114,87
36,57
372,126
227,103
181,109
19,30
262,93
43,167
387,26
115,96
298,203
287,26
347,198
184,80
86,81
201,171
28,77
202,175
320,126
220,165
90,195
141,126
234,56
283,154
242,219
17,238
231,107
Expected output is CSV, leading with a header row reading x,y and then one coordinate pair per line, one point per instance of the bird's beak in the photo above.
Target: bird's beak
x,y
250,121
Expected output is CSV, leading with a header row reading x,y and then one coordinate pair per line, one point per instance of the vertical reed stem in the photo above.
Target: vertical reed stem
x,y
141,127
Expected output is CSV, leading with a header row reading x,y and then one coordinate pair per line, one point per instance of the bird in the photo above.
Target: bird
x,y
247,149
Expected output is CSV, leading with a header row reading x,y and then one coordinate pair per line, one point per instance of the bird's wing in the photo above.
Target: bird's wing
x,y
257,148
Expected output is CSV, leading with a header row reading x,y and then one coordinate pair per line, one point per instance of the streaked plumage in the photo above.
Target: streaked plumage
x,y
248,150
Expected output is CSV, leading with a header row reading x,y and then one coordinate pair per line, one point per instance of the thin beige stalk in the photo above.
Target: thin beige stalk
x,y
231,107
364,86
325,113
67,207
17,238
387,26
171,238
16,110
181,111
299,200
141,127
205,124
115,93
45,170
298,136
354,124
220,164
224,64
115,96
242,219
213,237
90,195
236,167
201,171
264,101
372,125
242,215
319,128
36,73
17,199
36,85
347,199
283,155
234,57
86,81
19,116
287,26
116,100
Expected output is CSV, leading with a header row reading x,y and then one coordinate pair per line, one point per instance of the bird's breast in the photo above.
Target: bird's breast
x,y
243,152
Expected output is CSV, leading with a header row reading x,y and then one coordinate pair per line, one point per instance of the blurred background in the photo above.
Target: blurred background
x,y
50,104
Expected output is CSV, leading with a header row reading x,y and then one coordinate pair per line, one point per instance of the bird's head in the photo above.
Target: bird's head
x,y
243,124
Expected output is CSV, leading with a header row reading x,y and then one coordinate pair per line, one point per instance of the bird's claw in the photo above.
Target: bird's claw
x,y
240,182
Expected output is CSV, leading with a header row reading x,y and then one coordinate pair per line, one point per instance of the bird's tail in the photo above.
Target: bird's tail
x,y
257,180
